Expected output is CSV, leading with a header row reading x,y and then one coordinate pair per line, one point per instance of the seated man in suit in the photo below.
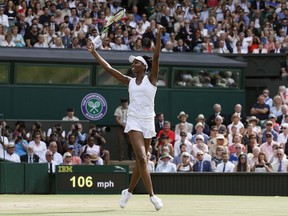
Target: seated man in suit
x,y
30,157
202,165
281,165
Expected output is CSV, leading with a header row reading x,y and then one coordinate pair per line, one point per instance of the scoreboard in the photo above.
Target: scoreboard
x,y
93,179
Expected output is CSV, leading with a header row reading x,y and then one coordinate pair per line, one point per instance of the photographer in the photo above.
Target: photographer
x,y
56,134
21,146
100,140
77,129
36,128
19,130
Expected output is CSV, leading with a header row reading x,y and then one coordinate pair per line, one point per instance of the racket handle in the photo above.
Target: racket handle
x,y
95,40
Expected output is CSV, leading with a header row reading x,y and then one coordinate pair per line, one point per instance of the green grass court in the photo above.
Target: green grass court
x,y
140,205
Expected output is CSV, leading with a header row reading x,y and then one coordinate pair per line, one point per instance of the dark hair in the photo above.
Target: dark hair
x,y
149,62
241,167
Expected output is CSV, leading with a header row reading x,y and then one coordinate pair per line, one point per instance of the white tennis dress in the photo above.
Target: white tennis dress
x,y
141,107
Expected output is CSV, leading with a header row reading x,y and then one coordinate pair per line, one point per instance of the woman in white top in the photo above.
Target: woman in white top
x,y
140,120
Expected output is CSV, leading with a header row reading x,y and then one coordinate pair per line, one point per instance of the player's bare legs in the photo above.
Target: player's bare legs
x,y
140,148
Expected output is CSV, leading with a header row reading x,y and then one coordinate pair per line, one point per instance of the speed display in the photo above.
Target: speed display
x,y
81,179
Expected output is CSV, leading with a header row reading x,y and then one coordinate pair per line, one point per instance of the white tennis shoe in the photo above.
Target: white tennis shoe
x,y
157,202
125,196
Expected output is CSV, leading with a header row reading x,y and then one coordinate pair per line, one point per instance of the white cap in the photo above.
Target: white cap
x,y
139,58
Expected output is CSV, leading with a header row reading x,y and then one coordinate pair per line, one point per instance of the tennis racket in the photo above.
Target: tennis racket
x,y
117,16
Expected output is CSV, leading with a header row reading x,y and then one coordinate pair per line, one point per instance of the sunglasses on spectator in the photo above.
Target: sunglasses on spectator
x,y
237,147
185,156
269,125
198,139
279,154
199,154
243,158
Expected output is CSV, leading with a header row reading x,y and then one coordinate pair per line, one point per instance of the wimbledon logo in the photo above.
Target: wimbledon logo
x,y
94,106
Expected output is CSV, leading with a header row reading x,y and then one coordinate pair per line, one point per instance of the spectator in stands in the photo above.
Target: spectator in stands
x,y
86,159
202,165
165,145
275,125
67,38
32,37
105,44
182,140
45,17
280,165
41,42
253,158
242,165
38,146
276,108
93,150
217,111
217,158
199,131
71,142
118,45
268,128
10,11
166,166
168,132
67,159
150,164
50,162
267,147
10,154
168,47
4,21
260,49
219,126
17,38
260,109
30,157
237,123
8,41
70,115
267,99
200,118
76,160
123,138
262,165
236,153
225,165
20,146
183,119
185,165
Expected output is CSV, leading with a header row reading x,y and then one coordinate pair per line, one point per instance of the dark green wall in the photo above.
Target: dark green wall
x,y
39,102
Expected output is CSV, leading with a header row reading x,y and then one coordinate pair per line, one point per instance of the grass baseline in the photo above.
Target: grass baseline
x,y
99,205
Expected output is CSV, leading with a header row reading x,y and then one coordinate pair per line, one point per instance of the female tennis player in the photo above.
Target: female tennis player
x,y
140,120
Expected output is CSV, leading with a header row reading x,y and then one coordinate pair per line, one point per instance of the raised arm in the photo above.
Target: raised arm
x,y
153,76
107,67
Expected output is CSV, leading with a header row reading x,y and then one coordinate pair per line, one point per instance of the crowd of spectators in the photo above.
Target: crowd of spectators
x,y
226,142
54,146
212,26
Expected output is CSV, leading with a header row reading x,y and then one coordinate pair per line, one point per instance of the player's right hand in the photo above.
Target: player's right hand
x,y
90,46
